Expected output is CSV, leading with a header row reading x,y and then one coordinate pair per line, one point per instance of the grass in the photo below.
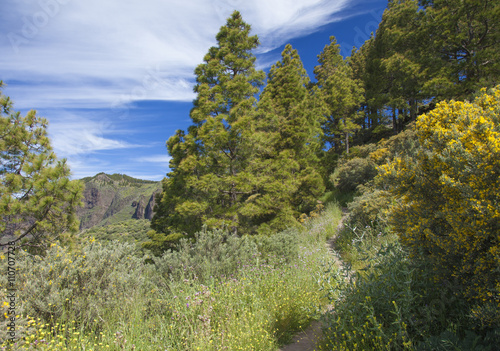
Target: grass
x,y
107,298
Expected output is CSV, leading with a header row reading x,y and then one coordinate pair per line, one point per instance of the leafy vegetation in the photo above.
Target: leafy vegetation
x,y
236,257
250,294
133,231
448,194
424,279
37,199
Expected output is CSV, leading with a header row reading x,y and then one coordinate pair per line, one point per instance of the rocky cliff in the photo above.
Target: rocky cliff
x,y
114,198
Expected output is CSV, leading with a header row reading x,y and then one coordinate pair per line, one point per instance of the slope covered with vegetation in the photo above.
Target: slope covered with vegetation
x,y
405,133
221,291
109,199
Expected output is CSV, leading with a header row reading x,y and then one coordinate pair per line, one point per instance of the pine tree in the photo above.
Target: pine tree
x,y
399,57
342,94
287,139
209,181
464,39
365,68
37,199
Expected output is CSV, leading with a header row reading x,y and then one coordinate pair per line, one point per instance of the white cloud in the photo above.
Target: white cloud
x,y
156,177
162,159
74,135
96,53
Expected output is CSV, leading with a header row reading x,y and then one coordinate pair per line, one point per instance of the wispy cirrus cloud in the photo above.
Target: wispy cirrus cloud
x,y
162,159
95,53
72,135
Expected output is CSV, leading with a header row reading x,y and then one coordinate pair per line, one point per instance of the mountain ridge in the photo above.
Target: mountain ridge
x,y
112,198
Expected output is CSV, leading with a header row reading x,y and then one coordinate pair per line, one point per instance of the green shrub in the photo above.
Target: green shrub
x,y
370,208
352,173
393,303
372,308
361,151
209,255
283,245
448,341
77,287
132,231
449,193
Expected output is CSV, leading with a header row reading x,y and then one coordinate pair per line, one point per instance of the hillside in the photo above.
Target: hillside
x,y
114,198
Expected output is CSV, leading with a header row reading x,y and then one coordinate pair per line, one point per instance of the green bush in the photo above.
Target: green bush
x,y
391,304
371,308
283,245
132,231
352,173
77,287
209,255
449,192
370,208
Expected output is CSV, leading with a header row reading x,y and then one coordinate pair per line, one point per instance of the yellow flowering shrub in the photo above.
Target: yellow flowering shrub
x,y
449,191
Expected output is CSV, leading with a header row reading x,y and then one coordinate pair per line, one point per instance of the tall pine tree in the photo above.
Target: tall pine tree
x,y
38,202
464,38
209,178
343,96
287,138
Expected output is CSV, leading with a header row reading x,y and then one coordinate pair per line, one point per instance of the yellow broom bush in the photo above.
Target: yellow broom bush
x,y
449,191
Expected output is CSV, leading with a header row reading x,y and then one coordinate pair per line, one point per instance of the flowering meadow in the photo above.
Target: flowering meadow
x,y
218,293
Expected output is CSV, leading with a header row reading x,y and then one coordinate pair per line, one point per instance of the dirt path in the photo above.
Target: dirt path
x,y
306,340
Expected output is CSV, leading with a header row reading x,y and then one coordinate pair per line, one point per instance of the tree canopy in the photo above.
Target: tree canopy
x,y
37,199
254,160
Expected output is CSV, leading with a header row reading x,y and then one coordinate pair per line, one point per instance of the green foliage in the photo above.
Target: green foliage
x,y
284,166
208,256
342,94
370,208
372,309
462,42
106,297
77,287
284,244
158,243
37,199
209,179
133,231
354,172
448,341
250,168
425,52
389,302
426,298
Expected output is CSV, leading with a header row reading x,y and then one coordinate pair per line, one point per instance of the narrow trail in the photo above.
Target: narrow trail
x,y
307,339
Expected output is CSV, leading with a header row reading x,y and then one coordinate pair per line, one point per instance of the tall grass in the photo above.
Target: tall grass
x,y
218,293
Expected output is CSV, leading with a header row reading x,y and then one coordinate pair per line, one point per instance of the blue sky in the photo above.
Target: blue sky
x,y
115,78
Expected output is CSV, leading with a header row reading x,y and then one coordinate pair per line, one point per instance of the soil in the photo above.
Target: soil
x,y
305,340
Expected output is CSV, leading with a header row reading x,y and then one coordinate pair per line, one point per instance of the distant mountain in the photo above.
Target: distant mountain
x,y
109,199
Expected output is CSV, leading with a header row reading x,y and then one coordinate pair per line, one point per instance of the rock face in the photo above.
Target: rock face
x,y
149,212
113,198
139,209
